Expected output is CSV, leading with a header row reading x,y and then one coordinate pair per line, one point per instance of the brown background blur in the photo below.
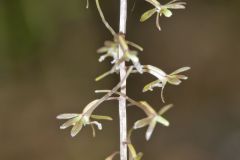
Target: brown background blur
x,y
48,64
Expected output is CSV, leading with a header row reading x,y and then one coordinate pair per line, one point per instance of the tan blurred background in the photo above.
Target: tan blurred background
x,y
48,64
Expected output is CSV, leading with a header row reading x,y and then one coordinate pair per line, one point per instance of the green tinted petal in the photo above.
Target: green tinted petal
x,y
134,45
101,117
154,2
150,130
139,156
165,109
90,106
132,151
76,128
142,123
157,72
181,77
69,123
167,13
177,5
67,115
183,69
146,15
102,50
147,108
110,44
150,86
174,80
112,156
162,120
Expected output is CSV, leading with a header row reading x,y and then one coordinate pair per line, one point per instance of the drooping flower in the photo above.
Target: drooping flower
x,y
152,118
160,10
173,78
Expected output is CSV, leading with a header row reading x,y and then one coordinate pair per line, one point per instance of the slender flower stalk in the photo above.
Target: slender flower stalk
x,y
122,100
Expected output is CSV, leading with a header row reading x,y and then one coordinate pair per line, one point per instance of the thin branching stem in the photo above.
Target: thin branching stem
x,y
132,101
109,94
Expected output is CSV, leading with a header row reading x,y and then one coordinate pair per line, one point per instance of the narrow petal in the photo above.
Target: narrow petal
x,y
135,45
142,123
139,156
157,72
132,55
151,85
69,123
132,151
76,128
90,106
174,80
165,109
167,13
146,15
109,43
112,156
162,120
102,50
148,109
179,5
150,130
101,117
154,2
183,69
171,2
67,115
181,77
103,57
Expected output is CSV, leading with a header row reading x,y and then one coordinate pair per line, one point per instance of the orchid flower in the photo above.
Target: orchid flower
x,y
160,10
152,119
173,78
111,49
78,121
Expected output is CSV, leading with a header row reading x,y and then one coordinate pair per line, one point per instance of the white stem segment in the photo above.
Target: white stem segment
x,y
122,100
